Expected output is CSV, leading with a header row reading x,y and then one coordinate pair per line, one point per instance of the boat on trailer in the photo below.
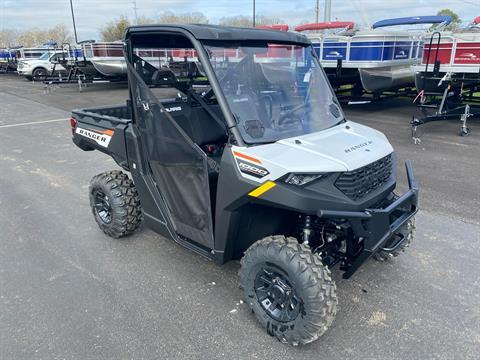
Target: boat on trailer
x,y
8,60
279,27
454,54
106,59
90,61
102,59
448,77
371,60
32,53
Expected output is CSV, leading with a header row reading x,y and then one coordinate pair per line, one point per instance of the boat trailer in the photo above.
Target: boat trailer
x,y
455,96
452,105
74,74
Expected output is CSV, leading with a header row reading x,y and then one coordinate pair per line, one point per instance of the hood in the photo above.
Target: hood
x,y
33,61
350,145
344,147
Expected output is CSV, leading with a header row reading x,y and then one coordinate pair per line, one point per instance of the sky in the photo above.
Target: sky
x,y
91,15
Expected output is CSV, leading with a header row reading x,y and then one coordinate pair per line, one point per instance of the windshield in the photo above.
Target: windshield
x,y
275,91
45,56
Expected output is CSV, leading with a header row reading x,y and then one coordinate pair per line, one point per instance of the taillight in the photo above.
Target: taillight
x,y
73,124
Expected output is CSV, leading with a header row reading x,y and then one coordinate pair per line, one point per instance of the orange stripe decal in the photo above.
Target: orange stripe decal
x,y
246,157
106,132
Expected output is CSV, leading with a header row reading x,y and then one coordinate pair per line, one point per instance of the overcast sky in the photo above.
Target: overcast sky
x,y
91,15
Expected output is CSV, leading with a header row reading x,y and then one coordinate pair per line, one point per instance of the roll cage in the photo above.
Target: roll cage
x,y
193,35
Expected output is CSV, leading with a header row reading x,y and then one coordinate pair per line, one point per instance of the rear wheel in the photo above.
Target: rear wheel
x,y
115,203
289,289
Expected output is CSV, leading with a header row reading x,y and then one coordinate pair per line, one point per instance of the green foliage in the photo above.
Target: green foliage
x,y
456,21
115,30
169,17
246,21
35,36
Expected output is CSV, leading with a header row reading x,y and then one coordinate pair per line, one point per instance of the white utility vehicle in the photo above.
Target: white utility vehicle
x,y
248,156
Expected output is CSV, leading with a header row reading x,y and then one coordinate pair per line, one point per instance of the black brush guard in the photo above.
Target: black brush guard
x,y
376,226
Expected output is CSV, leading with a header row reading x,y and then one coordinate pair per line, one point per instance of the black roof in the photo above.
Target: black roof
x,y
217,32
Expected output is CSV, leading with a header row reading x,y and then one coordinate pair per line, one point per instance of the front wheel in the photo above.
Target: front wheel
x,y
289,290
40,74
115,203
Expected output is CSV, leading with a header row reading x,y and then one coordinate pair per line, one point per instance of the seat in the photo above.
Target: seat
x,y
200,127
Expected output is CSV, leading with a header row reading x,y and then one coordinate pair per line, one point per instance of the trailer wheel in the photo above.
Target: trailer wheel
x,y
115,203
407,231
288,289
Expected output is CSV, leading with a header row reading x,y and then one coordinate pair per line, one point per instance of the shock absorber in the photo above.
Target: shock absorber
x,y
307,229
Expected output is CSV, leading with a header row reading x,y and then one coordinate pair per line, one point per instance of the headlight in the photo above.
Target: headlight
x,y
302,179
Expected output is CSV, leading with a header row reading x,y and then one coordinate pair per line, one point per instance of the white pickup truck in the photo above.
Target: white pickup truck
x,y
40,68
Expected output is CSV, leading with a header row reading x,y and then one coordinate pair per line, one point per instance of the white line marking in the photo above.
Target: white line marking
x,y
33,123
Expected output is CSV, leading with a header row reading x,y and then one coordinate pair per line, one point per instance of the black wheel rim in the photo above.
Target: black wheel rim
x,y
102,206
39,74
276,295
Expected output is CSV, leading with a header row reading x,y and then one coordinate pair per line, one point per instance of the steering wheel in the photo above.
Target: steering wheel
x,y
288,119
224,76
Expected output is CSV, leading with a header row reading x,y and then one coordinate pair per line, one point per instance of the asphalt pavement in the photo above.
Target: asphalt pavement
x,y
68,291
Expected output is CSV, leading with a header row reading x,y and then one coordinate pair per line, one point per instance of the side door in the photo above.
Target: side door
x,y
176,164
55,61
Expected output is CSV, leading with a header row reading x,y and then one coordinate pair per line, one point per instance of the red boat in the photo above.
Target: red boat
x,y
454,53
279,27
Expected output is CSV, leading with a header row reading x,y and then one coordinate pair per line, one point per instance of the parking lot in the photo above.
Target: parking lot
x,y
69,291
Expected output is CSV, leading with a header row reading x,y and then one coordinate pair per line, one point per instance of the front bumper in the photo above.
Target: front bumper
x,y
376,226
24,72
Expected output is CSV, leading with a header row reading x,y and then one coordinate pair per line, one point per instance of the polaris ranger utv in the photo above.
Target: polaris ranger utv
x,y
238,148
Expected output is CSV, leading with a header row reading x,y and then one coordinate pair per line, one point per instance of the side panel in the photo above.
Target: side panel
x,y
152,204
232,190
242,219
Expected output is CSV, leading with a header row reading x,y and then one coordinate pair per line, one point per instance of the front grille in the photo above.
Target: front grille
x,y
358,183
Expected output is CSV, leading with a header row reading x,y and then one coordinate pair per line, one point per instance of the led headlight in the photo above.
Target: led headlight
x,y
302,179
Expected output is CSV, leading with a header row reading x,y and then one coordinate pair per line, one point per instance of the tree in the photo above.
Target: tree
x,y
267,20
169,17
59,34
143,20
34,37
115,29
8,38
246,21
237,20
456,21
